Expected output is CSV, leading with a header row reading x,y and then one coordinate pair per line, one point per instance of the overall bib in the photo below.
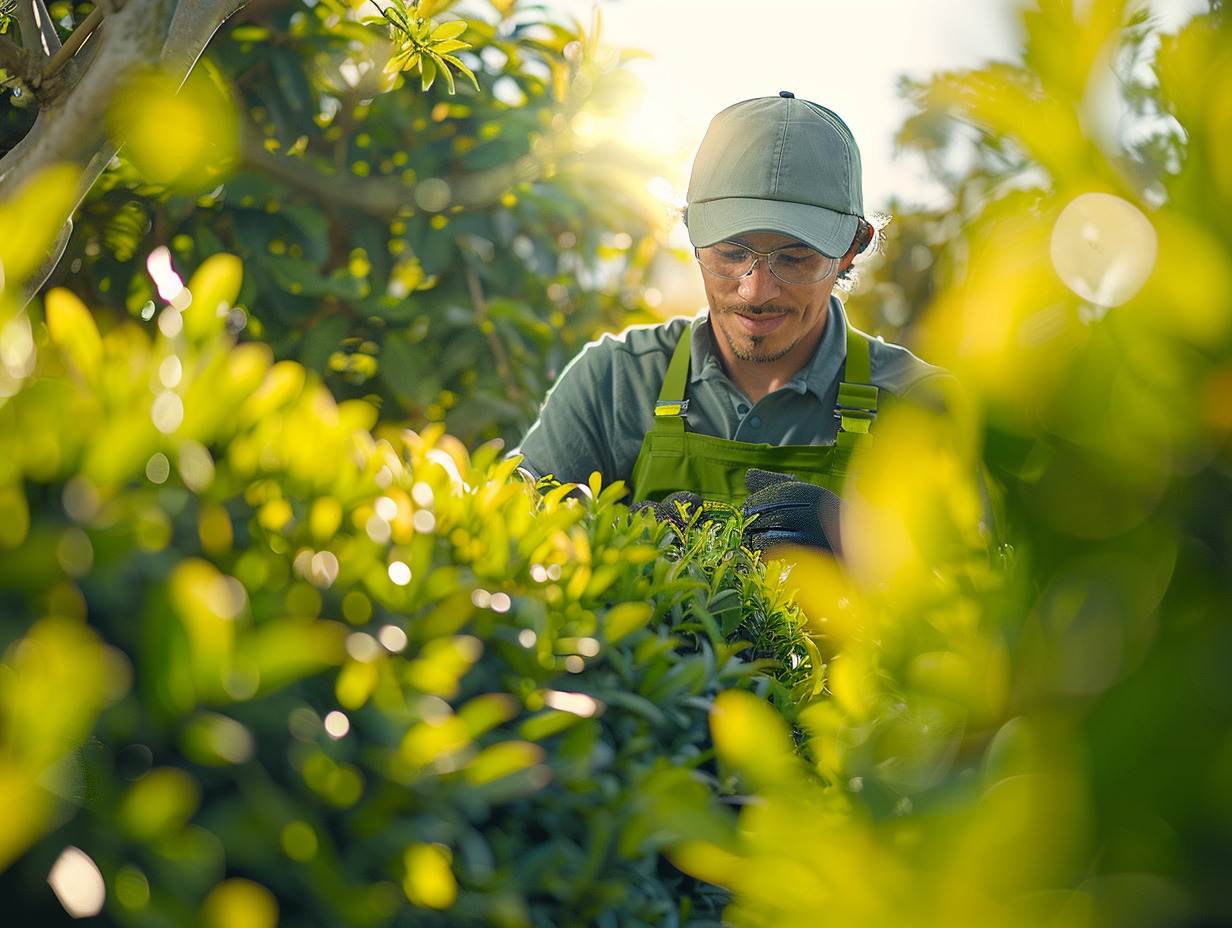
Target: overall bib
x,y
673,459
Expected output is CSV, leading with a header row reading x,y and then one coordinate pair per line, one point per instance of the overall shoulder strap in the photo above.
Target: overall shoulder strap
x,y
857,402
857,397
671,397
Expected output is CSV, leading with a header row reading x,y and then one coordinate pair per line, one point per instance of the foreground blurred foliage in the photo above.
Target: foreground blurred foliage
x,y
260,658
270,660
1048,746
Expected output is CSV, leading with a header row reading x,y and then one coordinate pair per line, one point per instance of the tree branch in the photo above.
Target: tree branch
x,y
387,198
72,128
74,42
503,368
192,27
35,21
13,58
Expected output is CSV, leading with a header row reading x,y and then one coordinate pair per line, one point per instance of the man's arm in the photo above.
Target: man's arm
x,y
568,441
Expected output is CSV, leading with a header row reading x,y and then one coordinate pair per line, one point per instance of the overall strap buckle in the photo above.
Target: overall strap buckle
x,y
856,408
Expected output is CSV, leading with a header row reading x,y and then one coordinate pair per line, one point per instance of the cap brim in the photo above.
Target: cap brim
x,y
828,231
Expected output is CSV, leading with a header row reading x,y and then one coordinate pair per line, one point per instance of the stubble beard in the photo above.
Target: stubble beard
x,y
745,346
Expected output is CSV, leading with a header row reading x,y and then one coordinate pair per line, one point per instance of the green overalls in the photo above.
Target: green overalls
x,y
673,459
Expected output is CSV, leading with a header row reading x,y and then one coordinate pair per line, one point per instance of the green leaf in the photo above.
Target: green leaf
x,y
725,606
448,30
397,18
450,45
403,61
625,618
250,33
463,69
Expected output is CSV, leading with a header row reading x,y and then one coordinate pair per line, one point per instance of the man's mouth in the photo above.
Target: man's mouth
x,y
759,322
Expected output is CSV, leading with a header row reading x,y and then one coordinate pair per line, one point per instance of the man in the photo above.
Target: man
x,y
770,379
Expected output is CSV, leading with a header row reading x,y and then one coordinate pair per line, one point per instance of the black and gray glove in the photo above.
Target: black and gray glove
x,y
785,510
679,508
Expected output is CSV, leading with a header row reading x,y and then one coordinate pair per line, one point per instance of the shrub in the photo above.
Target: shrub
x,y
260,659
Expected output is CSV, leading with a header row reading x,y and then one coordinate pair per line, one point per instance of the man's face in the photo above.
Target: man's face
x,y
761,318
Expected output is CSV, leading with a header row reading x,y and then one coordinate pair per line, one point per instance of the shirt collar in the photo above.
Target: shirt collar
x,y
817,376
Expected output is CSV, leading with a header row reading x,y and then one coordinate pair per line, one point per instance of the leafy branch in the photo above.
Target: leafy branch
x,y
422,45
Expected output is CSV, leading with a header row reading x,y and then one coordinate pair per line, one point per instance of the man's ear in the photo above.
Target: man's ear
x,y
855,249
863,238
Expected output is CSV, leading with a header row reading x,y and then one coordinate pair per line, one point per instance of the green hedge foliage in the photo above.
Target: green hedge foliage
x,y
258,657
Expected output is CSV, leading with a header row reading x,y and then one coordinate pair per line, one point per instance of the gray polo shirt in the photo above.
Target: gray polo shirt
x,y
597,413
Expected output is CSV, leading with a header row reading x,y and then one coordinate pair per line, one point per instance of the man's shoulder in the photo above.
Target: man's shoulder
x,y
897,369
904,376
642,339
636,345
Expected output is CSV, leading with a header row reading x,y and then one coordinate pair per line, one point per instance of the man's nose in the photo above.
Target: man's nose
x,y
759,285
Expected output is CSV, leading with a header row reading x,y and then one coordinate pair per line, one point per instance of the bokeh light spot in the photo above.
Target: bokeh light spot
x,y
77,883
578,704
1103,248
158,468
337,725
362,647
393,638
399,573
167,412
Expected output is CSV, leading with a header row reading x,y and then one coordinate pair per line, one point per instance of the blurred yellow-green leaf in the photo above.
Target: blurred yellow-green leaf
x,y
160,804
72,328
14,516
429,880
214,286
240,903
52,686
35,210
184,136
625,618
502,759
751,737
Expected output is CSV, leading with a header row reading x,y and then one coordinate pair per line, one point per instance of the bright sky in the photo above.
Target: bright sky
x,y
844,54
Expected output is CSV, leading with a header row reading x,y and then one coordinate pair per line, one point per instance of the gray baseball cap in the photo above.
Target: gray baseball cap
x,y
776,164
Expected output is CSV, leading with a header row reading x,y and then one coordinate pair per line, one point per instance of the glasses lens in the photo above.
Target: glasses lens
x,y
795,264
800,265
726,259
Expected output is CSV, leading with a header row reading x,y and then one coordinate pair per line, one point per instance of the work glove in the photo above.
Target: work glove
x,y
784,510
678,509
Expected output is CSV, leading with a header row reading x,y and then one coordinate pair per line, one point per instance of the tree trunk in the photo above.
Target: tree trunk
x,y
70,127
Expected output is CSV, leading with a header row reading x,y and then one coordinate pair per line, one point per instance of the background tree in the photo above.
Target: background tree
x,y
440,249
